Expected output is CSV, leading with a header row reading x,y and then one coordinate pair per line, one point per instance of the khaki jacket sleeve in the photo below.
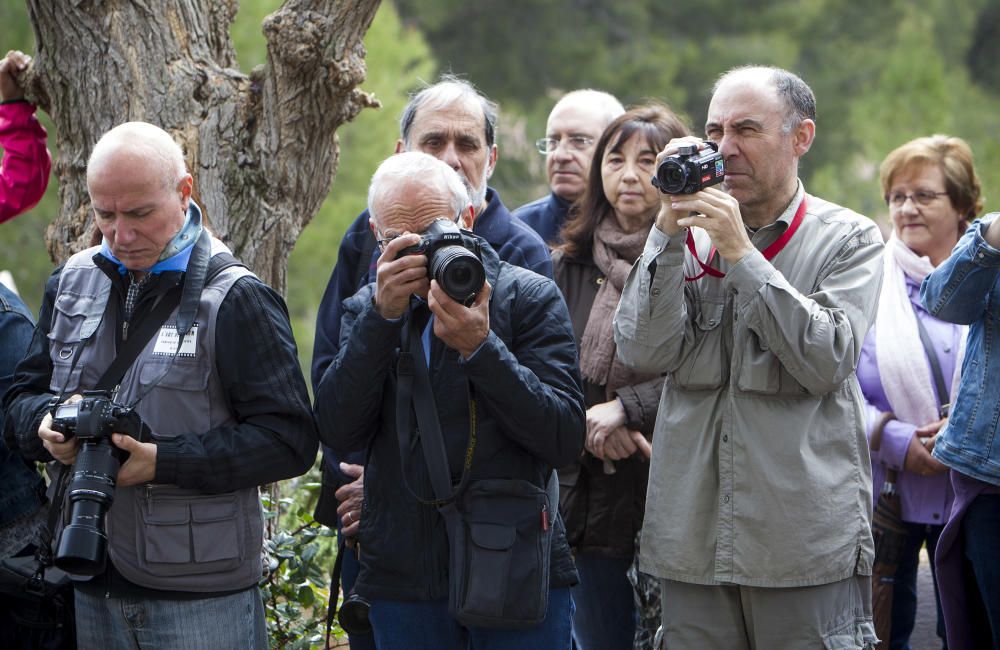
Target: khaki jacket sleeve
x,y
653,323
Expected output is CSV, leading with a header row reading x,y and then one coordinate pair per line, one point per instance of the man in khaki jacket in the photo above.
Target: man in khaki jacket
x,y
759,507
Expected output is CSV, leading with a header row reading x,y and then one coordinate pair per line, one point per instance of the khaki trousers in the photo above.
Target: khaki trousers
x,y
835,616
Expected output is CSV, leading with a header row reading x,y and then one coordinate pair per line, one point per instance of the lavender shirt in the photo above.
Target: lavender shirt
x,y
925,499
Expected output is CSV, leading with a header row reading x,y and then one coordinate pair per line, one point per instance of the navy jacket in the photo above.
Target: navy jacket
x,y
530,418
546,216
21,487
514,242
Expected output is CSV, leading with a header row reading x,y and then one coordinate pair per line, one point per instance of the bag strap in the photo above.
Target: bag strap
x,y
331,607
135,343
186,297
413,389
365,261
942,390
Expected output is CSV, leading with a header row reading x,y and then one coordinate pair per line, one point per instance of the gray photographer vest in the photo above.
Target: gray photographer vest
x,y
162,536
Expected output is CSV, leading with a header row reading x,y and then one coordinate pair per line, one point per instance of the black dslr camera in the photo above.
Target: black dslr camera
x,y
687,172
453,259
83,544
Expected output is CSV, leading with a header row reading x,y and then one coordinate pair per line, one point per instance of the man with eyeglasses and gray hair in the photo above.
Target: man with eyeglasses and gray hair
x,y
575,123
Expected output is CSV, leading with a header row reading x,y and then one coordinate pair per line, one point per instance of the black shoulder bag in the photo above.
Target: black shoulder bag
x,y
498,529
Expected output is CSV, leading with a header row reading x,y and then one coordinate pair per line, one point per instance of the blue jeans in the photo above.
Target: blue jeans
x,y
605,609
426,625
904,593
228,622
981,531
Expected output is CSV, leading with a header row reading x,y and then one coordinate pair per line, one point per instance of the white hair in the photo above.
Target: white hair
x,y
416,166
146,141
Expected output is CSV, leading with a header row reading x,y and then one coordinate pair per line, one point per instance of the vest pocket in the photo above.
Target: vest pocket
x,y
64,338
190,535
181,389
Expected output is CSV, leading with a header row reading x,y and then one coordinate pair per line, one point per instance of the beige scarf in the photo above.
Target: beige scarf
x,y
902,361
614,252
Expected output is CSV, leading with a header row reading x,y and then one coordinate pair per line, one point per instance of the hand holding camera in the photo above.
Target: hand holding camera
x,y
89,424
397,278
459,327
687,170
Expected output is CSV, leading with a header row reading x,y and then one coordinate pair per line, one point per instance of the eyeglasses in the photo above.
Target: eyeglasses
x,y
920,197
574,142
384,242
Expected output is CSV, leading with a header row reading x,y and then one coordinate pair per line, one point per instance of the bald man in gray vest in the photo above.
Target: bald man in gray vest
x,y
217,383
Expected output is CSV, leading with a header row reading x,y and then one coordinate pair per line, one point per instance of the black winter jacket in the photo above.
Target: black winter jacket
x,y
529,402
603,512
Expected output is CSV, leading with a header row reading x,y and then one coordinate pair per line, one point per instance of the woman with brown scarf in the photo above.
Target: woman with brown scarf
x,y
604,493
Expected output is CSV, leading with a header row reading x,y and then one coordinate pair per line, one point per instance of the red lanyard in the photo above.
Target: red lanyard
x,y
769,253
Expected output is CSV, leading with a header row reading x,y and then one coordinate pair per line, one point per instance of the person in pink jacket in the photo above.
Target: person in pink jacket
x,y
24,171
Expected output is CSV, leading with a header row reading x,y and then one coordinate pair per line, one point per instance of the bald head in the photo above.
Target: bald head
x,y
139,189
600,106
575,124
142,144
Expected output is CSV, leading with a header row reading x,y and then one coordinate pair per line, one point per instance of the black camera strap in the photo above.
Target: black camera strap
x,y
413,391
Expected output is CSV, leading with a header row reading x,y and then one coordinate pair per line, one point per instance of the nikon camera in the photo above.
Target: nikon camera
x,y
83,544
687,171
453,259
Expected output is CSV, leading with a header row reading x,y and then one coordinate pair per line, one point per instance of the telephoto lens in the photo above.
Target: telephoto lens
x,y
83,544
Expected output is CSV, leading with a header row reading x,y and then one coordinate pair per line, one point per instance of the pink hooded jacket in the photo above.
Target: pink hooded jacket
x,y
24,171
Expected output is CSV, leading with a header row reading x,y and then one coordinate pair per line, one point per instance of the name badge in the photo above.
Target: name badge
x,y
166,342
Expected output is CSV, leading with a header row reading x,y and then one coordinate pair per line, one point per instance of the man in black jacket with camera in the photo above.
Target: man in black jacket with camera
x,y
505,384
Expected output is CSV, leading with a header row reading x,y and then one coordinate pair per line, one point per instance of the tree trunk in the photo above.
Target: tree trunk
x,y
261,147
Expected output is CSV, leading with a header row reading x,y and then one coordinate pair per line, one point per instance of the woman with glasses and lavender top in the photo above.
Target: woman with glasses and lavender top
x,y
932,192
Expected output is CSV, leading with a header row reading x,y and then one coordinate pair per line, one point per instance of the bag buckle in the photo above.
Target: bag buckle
x,y
35,585
405,364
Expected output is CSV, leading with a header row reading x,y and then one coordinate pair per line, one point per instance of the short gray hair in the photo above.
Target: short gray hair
x,y
147,140
795,94
416,166
448,90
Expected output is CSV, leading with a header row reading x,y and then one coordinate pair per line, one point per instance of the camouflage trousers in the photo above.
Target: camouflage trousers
x,y
646,593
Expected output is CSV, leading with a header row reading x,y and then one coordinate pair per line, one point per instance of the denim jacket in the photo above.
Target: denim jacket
x,y
21,487
964,289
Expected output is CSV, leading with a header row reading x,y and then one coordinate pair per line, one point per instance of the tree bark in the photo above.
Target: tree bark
x,y
262,147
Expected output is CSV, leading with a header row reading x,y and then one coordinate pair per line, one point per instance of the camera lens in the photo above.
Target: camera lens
x,y
353,615
83,544
459,272
671,176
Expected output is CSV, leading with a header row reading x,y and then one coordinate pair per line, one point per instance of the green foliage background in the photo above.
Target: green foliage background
x,y
883,73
